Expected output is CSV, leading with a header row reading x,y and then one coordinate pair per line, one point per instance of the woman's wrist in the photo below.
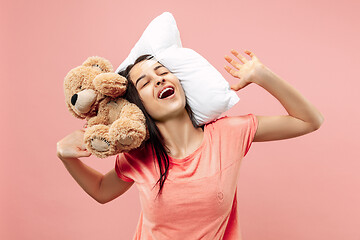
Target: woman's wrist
x,y
65,160
262,75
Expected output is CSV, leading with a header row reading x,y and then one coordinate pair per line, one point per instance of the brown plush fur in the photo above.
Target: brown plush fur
x,y
93,92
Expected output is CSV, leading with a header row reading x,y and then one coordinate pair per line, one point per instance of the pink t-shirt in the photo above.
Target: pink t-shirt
x,y
198,200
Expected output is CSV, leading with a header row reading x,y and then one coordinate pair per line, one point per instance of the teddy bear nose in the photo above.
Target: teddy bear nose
x,y
73,99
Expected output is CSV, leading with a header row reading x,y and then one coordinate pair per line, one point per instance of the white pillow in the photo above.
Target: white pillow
x,y
207,92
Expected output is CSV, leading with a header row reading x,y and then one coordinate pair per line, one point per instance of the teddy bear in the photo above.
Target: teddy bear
x,y
94,92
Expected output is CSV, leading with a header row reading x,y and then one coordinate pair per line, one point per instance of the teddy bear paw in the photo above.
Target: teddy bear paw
x,y
126,141
100,145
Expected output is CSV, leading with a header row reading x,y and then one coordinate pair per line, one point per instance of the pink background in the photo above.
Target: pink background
x,y
301,188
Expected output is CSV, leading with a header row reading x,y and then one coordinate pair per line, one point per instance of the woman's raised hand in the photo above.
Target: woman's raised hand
x,y
248,71
72,146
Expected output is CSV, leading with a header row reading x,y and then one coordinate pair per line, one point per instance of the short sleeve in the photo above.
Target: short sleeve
x,y
237,133
121,167
252,125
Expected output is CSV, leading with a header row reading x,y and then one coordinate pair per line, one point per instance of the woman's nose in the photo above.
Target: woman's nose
x,y
160,81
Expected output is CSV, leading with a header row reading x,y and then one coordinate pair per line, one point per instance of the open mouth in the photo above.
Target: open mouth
x,y
166,92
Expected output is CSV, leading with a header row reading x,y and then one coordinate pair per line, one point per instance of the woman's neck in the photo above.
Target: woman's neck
x,y
180,136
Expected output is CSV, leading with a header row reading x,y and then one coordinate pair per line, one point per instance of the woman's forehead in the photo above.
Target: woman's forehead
x,y
142,68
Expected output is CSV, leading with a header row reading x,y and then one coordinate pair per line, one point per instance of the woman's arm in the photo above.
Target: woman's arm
x,y
303,117
102,188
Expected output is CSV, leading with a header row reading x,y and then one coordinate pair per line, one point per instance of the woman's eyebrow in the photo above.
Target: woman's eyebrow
x,y
142,76
157,67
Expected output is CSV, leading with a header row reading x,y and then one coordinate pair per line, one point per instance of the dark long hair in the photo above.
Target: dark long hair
x,y
156,140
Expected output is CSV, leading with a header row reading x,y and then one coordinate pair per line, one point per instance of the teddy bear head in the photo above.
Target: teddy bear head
x,y
87,85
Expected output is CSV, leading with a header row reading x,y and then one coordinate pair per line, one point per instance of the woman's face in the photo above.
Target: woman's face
x,y
159,89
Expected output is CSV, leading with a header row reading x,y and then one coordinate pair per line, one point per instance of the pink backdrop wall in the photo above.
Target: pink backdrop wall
x,y
301,188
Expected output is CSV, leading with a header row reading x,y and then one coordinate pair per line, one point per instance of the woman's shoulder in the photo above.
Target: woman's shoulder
x,y
231,120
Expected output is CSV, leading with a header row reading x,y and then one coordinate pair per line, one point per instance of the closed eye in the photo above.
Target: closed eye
x,y
161,74
145,84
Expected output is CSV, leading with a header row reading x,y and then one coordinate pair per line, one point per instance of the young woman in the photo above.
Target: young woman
x,y
186,174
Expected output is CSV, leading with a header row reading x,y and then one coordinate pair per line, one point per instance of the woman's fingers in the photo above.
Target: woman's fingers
x,y
231,71
239,85
239,56
241,71
73,146
82,147
84,153
234,63
252,55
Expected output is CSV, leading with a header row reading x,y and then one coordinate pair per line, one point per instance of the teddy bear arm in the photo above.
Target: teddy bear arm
x,y
99,119
129,131
110,84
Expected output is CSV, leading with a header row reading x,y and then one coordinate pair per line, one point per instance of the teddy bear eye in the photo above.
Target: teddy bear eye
x,y
97,65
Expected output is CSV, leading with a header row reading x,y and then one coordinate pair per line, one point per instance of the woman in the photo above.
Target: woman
x,y
197,167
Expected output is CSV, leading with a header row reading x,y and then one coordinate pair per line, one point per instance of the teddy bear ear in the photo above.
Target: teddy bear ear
x,y
99,62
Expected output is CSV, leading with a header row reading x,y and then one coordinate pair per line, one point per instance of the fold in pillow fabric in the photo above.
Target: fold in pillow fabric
x,y
206,90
